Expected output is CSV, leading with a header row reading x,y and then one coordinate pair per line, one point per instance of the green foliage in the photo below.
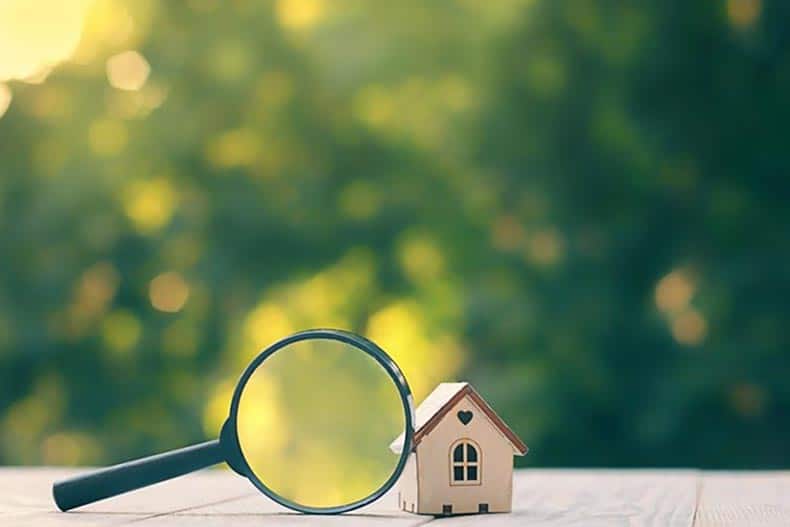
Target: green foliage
x,y
580,207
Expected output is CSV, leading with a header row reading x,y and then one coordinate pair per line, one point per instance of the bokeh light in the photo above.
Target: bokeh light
x,y
5,98
744,13
690,328
149,205
674,291
169,292
121,331
127,71
36,35
300,14
240,147
92,296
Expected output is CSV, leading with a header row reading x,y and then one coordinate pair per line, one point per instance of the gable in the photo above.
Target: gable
x,y
473,423
438,405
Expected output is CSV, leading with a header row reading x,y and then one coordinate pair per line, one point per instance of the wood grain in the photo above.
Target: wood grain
x,y
596,498
26,500
541,498
251,510
756,499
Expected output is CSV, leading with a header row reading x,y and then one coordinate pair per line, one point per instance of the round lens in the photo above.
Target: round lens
x,y
315,420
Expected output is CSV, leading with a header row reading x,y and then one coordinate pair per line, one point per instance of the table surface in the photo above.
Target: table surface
x,y
589,498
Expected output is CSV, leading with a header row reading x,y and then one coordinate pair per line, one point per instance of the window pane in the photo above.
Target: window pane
x,y
472,473
471,453
458,453
458,473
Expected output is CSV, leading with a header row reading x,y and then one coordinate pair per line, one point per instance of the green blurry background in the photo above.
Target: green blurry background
x,y
581,207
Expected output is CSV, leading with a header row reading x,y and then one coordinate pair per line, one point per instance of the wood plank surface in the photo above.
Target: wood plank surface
x,y
205,498
592,498
728,499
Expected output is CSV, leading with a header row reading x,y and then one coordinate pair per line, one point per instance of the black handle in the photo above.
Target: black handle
x,y
111,481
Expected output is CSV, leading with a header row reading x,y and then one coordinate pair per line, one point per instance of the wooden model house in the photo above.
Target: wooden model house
x,y
462,459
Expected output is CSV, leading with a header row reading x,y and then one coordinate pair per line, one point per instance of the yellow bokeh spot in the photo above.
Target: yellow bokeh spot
x,y
744,13
93,294
240,147
25,421
690,328
127,71
426,360
300,14
107,137
545,247
420,109
40,76
136,104
420,258
374,106
108,23
121,331
325,298
69,448
748,399
5,98
266,324
150,204
168,292
216,410
317,301
97,286
35,35
674,291
507,233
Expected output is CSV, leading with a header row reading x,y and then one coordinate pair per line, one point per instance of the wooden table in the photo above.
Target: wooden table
x,y
588,498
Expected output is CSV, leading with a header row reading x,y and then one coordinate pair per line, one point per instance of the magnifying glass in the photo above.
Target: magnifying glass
x,y
309,425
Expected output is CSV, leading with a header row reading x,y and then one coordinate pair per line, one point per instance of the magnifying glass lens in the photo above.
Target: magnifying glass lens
x,y
315,421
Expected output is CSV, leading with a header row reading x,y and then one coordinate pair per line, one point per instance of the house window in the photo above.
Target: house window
x,y
482,507
447,509
465,463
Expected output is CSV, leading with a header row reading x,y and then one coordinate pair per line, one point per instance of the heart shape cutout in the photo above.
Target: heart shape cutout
x,y
465,416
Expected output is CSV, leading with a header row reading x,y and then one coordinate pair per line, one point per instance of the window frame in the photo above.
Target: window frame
x,y
465,464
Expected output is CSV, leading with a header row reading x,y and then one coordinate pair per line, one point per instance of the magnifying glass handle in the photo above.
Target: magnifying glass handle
x,y
111,481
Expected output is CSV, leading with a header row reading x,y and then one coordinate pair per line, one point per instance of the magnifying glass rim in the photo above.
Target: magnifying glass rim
x,y
384,360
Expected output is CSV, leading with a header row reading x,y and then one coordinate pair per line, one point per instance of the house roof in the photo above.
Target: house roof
x,y
440,401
